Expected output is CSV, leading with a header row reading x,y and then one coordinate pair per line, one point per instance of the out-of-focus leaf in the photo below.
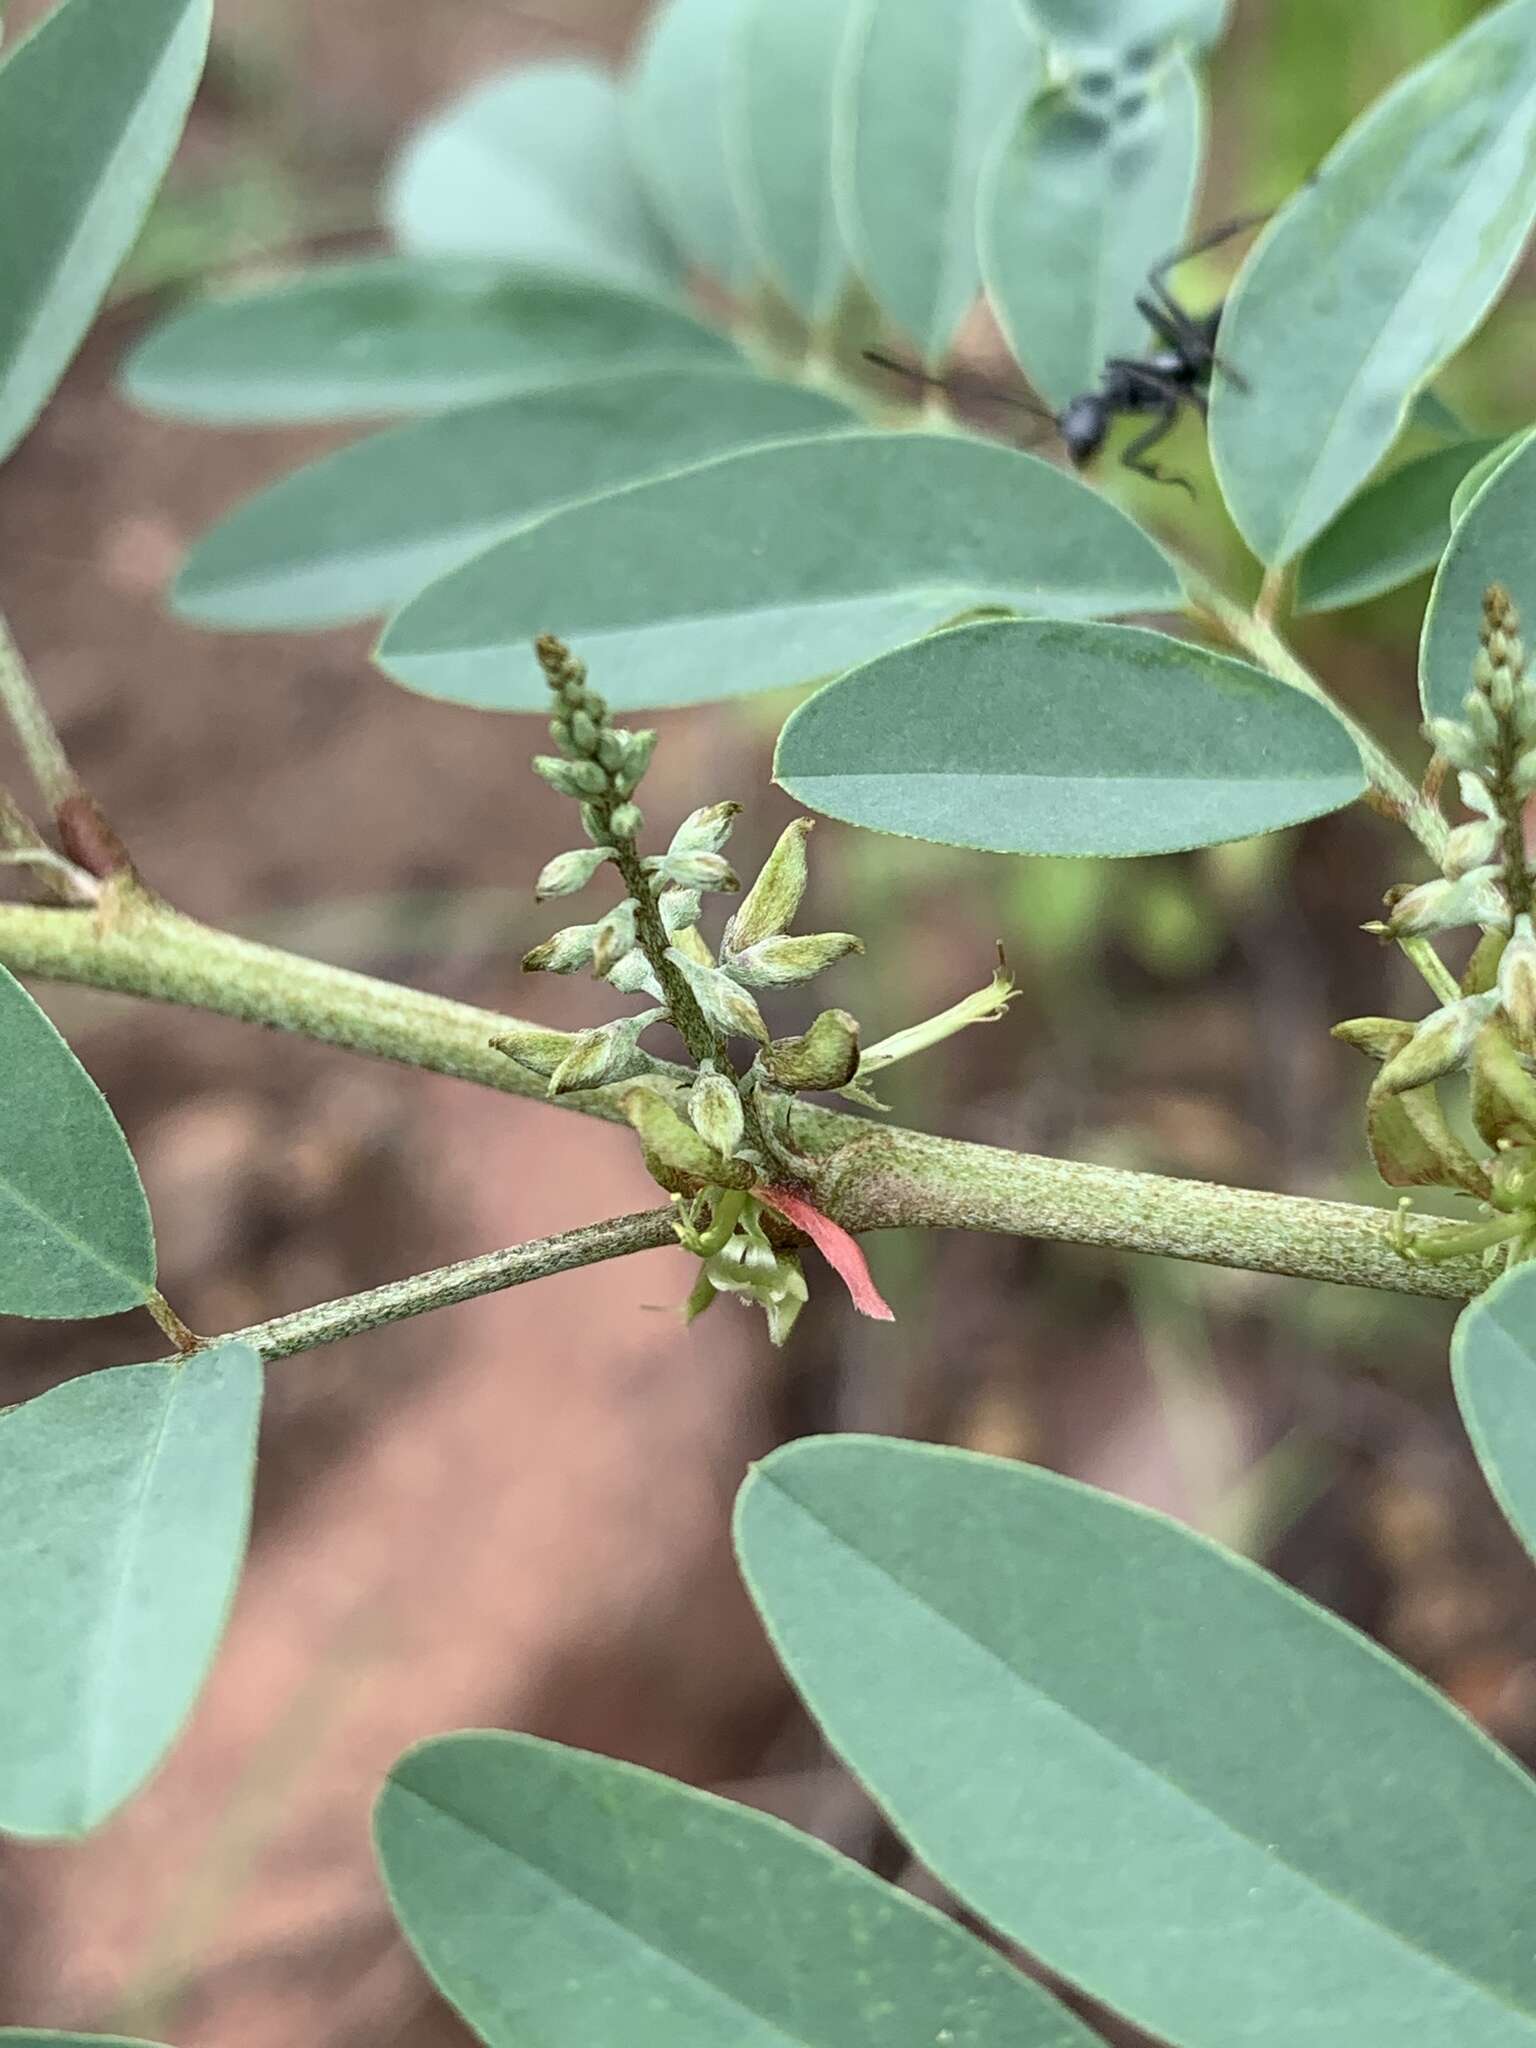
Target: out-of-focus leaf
x,y
781,102
679,95
75,1233
561,1898
770,568
1476,477
1164,1773
1374,274
91,108
533,169
1078,202
123,1521
358,532
1493,1363
1494,541
1130,31
1396,529
926,89
1054,736
399,334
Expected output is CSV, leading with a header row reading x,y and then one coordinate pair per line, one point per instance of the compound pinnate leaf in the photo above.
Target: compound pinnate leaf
x,y
91,107
1058,737
397,334
561,1897
75,1232
123,1521
1078,202
1493,1364
360,531
925,90
781,107
1393,531
1372,277
1174,1780
1493,541
772,567
533,169
679,95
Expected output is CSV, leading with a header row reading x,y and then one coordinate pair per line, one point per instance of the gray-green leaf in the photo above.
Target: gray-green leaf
x,y
532,168
1493,1364
679,97
360,531
1394,530
1494,541
781,102
562,1898
91,108
1102,30
75,1234
1076,205
772,567
1167,1775
1057,737
1371,278
123,1522
397,334
927,88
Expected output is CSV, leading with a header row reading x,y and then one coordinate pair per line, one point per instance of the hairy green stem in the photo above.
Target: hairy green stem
x,y
865,1176
647,1230
1257,637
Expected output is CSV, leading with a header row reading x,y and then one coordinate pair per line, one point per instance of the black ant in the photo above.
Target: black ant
x,y
1164,382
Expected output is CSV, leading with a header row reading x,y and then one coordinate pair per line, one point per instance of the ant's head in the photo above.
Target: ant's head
x,y
1082,424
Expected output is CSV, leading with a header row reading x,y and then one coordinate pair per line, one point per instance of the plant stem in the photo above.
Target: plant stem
x,y
1257,637
868,1177
40,744
308,1328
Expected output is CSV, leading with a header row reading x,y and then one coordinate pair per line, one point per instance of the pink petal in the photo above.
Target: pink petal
x,y
840,1251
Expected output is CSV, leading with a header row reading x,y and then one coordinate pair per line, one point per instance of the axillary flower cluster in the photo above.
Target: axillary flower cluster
x,y
1485,1027
718,1138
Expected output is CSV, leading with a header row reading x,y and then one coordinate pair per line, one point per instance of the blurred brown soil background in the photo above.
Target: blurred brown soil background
x,y
516,1513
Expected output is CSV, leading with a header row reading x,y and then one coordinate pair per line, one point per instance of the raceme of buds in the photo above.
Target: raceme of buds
x,y
770,904
825,1057
611,1052
782,961
714,1105
727,1006
568,872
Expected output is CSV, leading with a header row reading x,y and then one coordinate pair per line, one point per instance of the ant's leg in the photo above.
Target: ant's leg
x,y
1157,276
1134,457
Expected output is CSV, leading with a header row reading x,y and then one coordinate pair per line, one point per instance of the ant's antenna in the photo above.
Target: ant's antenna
x,y
963,384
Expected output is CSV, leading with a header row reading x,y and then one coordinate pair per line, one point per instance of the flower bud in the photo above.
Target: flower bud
x,y
1378,1037
728,1007
676,1156
638,749
609,1053
782,961
825,1057
1483,722
1470,846
568,872
1517,985
1445,906
1454,741
531,1047
614,937
1525,773
1413,1145
571,778
693,870
706,830
1439,1046
1503,1093
714,1105
567,952
770,904
679,910
626,821
634,976
584,732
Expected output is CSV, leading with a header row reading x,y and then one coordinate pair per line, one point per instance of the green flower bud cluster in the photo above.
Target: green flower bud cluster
x,y
1486,1027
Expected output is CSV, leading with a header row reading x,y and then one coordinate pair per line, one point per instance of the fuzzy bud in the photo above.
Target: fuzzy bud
x,y
1503,1093
706,830
626,821
1454,742
567,952
584,732
770,904
633,976
677,1157
1380,1038
1470,846
529,1046
693,870
1517,985
782,961
1445,906
714,1105
610,1053
1441,1044
1525,774
568,872
614,938
825,1057
679,910
728,1007
1483,722
571,778
638,749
